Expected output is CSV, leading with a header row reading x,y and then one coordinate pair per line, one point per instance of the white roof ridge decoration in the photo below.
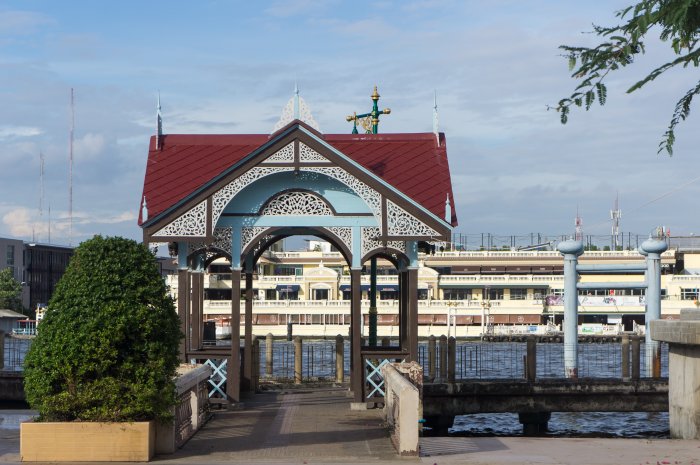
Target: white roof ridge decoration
x,y
296,108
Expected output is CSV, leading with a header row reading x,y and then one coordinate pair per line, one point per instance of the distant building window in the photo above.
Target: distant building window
x,y
457,294
518,294
11,256
320,294
690,294
556,292
493,294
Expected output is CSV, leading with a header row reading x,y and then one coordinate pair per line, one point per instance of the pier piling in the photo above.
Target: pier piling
x,y
339,359
635,357
531,365
297,360
269,340
625,352
432,348
451,359
443,357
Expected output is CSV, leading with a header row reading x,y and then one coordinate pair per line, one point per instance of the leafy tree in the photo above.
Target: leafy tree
x,y
10,291
107,347
678,23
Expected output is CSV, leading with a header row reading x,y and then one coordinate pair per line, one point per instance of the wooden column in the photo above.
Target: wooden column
x,y
356,373
183,300
233,385
403,310
246,383
412,301
197,312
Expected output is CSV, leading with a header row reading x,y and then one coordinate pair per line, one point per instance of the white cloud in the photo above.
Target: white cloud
x,y
89,146
9,132
21,22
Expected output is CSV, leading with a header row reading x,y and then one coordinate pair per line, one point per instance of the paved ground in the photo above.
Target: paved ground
x,y
317,427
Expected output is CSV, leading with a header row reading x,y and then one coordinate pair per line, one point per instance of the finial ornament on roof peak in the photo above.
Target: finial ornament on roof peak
x,y
296,108
159,124
436,130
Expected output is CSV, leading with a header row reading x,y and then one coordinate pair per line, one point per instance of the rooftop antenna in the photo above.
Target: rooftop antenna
x,y
369,121
41,188
579,226
615,216
49,222
70,170
435,119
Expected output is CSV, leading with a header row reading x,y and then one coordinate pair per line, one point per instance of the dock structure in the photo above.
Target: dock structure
x,y
234,196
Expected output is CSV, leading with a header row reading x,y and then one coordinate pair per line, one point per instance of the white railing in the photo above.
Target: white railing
x,y
501,279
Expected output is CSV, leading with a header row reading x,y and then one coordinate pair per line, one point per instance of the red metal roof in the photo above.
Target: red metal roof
x,y
412,163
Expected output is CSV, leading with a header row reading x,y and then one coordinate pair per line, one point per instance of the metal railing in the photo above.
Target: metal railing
x,y
507,360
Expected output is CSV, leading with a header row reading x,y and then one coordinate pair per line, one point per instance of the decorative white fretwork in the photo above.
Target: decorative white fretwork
x,y
369,241
190,224
248,234
369,195
296,108
222,241
402,223
283,155
296,203
398,245
224,195
307,154
344,234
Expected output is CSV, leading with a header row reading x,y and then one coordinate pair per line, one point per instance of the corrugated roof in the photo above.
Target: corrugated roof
x,y
411,163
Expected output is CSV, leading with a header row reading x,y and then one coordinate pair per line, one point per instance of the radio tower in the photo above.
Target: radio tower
x,y
579,226
70,171
41,190
615,216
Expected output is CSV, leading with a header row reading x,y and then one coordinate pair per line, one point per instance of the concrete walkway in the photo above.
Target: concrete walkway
x,y
316,426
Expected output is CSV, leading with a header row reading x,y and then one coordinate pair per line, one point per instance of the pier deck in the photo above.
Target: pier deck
x,y
315,426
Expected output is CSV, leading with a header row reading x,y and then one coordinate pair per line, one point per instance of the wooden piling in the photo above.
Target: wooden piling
x,y
625,359
269,341
443,357
451,359
339,359
297,360
432,348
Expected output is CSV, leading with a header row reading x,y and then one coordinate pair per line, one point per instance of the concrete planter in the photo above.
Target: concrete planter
x,y
87,442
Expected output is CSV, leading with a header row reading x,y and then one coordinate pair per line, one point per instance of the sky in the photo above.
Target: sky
x,y
231,66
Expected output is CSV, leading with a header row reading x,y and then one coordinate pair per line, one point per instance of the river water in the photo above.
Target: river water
x,y
474,360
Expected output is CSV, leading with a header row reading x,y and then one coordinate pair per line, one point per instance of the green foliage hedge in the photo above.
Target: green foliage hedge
x,y
107,349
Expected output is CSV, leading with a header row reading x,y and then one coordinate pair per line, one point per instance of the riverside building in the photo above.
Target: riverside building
x,y
463,293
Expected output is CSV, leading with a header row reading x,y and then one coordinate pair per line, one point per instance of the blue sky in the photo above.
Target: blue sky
x,y
230,67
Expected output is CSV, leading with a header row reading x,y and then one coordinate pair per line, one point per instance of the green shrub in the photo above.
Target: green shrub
x,y
107,349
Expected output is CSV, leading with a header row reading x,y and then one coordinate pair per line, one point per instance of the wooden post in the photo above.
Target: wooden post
x,y
233,370
248,337
443,358
269,340
531,370
357,377
183,300
431,357
636,359
297,360
451,359
412,291
339,359
196,307
2,349
656,362
256,364
625,359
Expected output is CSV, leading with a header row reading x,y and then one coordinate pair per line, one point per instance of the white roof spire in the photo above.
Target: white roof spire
x,y
296,101
159,123
435,119
296,108
448,209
